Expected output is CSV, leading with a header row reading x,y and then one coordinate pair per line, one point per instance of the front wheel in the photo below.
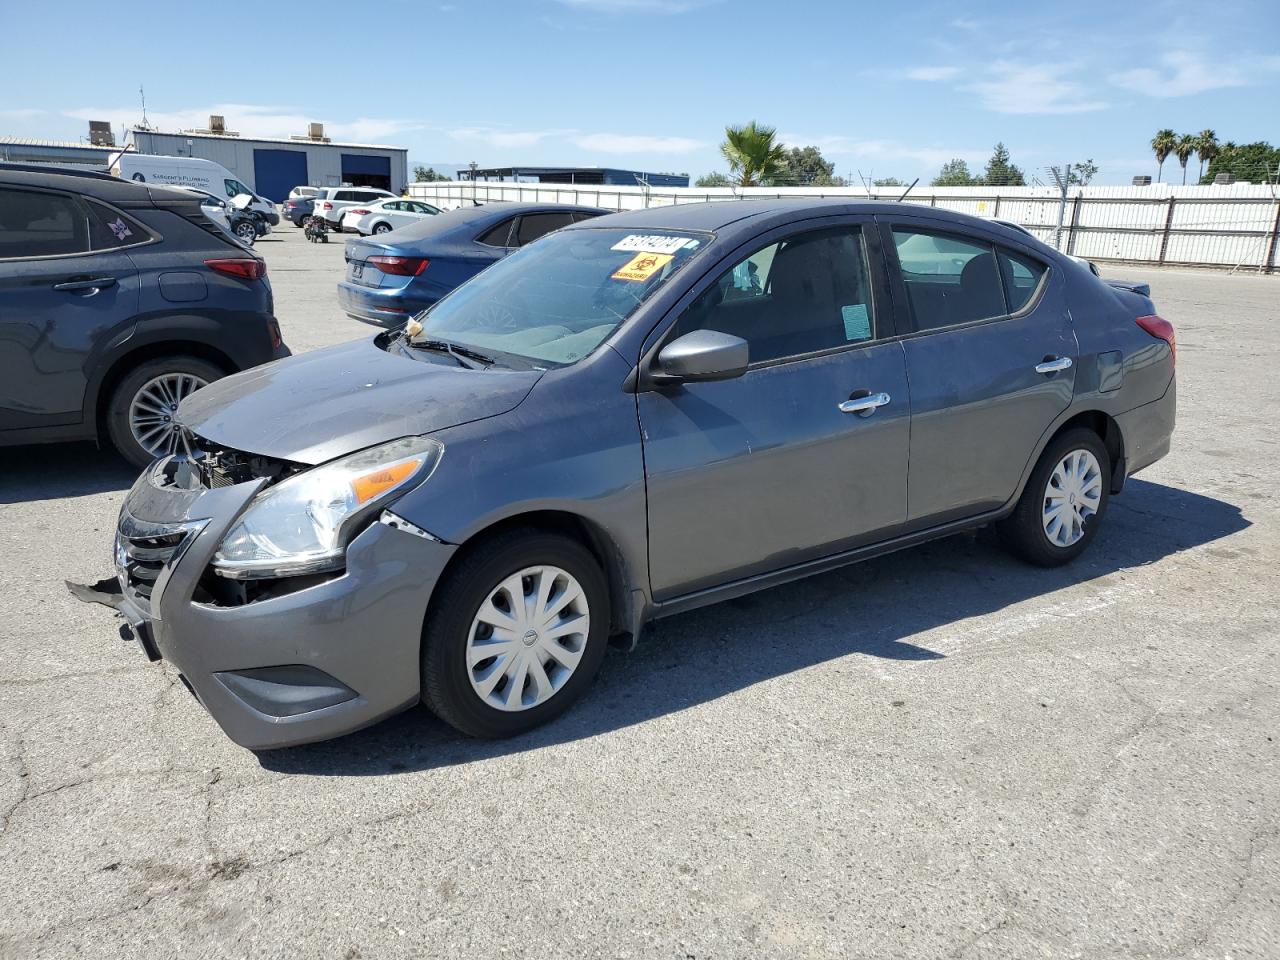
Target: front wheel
x,y
140,412
247,232
1060,510
517,634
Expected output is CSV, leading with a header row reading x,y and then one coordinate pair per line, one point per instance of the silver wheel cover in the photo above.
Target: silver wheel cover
x,y
527,638
152,408
1072,495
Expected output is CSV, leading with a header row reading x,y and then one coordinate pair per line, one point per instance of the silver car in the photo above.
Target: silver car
x,y
629,418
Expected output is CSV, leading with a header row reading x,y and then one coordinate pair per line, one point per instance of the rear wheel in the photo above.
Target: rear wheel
x,y
1064,502
140,411
518,635
382,228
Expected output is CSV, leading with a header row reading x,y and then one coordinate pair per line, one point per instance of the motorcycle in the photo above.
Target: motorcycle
x,y
316,230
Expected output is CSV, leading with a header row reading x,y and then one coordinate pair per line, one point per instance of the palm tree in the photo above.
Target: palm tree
x,y
1206,148
1163,143
1183,150
753,153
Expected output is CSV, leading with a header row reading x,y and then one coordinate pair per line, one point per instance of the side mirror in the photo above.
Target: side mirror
x,y
701,355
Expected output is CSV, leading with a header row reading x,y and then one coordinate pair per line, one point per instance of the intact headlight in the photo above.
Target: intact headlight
x,y
303,524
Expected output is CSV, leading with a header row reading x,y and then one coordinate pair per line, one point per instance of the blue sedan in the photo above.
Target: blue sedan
x,y
394,275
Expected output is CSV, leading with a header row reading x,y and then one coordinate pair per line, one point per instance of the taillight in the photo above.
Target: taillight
x,y
400,266
359,213
246,268
326,205
277,340
1161,329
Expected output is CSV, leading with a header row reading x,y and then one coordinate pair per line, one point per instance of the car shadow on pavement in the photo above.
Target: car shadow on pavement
x,y
54,471
870,609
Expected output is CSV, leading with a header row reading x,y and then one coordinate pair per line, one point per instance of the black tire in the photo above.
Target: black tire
x,y
117,411
382,228
446,688
247,232
1023,531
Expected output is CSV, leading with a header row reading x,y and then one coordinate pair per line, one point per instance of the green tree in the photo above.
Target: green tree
x,y
889,182
805,167
1206,149
754,154
1183,149
427,175
955,173
1001,172
715,179
1083,172
1250,162
1162,145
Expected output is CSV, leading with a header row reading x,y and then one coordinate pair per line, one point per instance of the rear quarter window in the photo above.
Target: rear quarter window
x,y
110,230
1022,276
498,236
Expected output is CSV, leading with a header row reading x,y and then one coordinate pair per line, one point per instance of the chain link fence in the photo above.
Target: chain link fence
x,y
1233,226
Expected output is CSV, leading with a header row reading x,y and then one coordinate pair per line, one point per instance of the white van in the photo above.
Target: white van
x,y
192,173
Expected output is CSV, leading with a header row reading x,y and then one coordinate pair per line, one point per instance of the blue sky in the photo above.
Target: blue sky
x,y
885,89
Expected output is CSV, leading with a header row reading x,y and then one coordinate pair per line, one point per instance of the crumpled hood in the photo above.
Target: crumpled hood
x,y
324,404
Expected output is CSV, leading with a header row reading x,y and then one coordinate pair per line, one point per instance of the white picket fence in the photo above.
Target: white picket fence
x,y
1233,226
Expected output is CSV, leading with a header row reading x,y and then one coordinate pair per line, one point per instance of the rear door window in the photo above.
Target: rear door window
x,y
949,279
534,225
498,236
1021,277
35,224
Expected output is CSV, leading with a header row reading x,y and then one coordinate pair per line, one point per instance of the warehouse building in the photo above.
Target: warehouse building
x,y
61,152
272,167
577,175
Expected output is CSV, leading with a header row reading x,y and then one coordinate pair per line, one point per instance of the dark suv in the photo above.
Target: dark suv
x,y
117,299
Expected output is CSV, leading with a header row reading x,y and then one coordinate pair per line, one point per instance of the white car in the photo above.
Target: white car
x,y
386,215
331,202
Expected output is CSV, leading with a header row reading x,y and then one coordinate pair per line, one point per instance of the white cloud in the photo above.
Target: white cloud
x,y
1183,73
249,120
1018,87
628,143
933,74
887,152
25,113
500,137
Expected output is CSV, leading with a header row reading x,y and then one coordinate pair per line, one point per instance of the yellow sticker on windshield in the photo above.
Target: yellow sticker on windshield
x,y
643,266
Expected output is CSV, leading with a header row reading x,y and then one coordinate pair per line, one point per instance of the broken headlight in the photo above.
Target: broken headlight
x,y
303,524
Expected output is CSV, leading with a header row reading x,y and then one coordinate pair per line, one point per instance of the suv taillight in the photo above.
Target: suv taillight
x,y
400,266
1161,329
244,268
360,213
326,205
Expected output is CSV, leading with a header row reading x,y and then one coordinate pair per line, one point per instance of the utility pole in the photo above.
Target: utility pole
x,y
1063,180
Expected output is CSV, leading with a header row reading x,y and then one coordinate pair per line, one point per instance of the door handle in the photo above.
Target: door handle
x,y
1053,364
86,285
865,406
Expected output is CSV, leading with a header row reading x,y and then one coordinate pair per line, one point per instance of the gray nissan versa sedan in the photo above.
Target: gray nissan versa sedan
x,y
631,417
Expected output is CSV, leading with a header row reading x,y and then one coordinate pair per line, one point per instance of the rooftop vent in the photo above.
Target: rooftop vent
x,y
100,134
1142,181
1224,179
217,124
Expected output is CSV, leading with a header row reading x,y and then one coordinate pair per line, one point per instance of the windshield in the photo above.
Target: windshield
x,y
556,300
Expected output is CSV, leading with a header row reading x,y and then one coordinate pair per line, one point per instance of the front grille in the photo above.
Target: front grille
x,y
144,552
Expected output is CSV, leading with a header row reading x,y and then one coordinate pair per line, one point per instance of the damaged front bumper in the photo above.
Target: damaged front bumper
x,y
298,659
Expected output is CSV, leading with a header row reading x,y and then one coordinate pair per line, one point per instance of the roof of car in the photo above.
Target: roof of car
x,y
717,214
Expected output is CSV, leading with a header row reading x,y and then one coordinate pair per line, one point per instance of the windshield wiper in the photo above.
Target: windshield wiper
x,y
465,356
